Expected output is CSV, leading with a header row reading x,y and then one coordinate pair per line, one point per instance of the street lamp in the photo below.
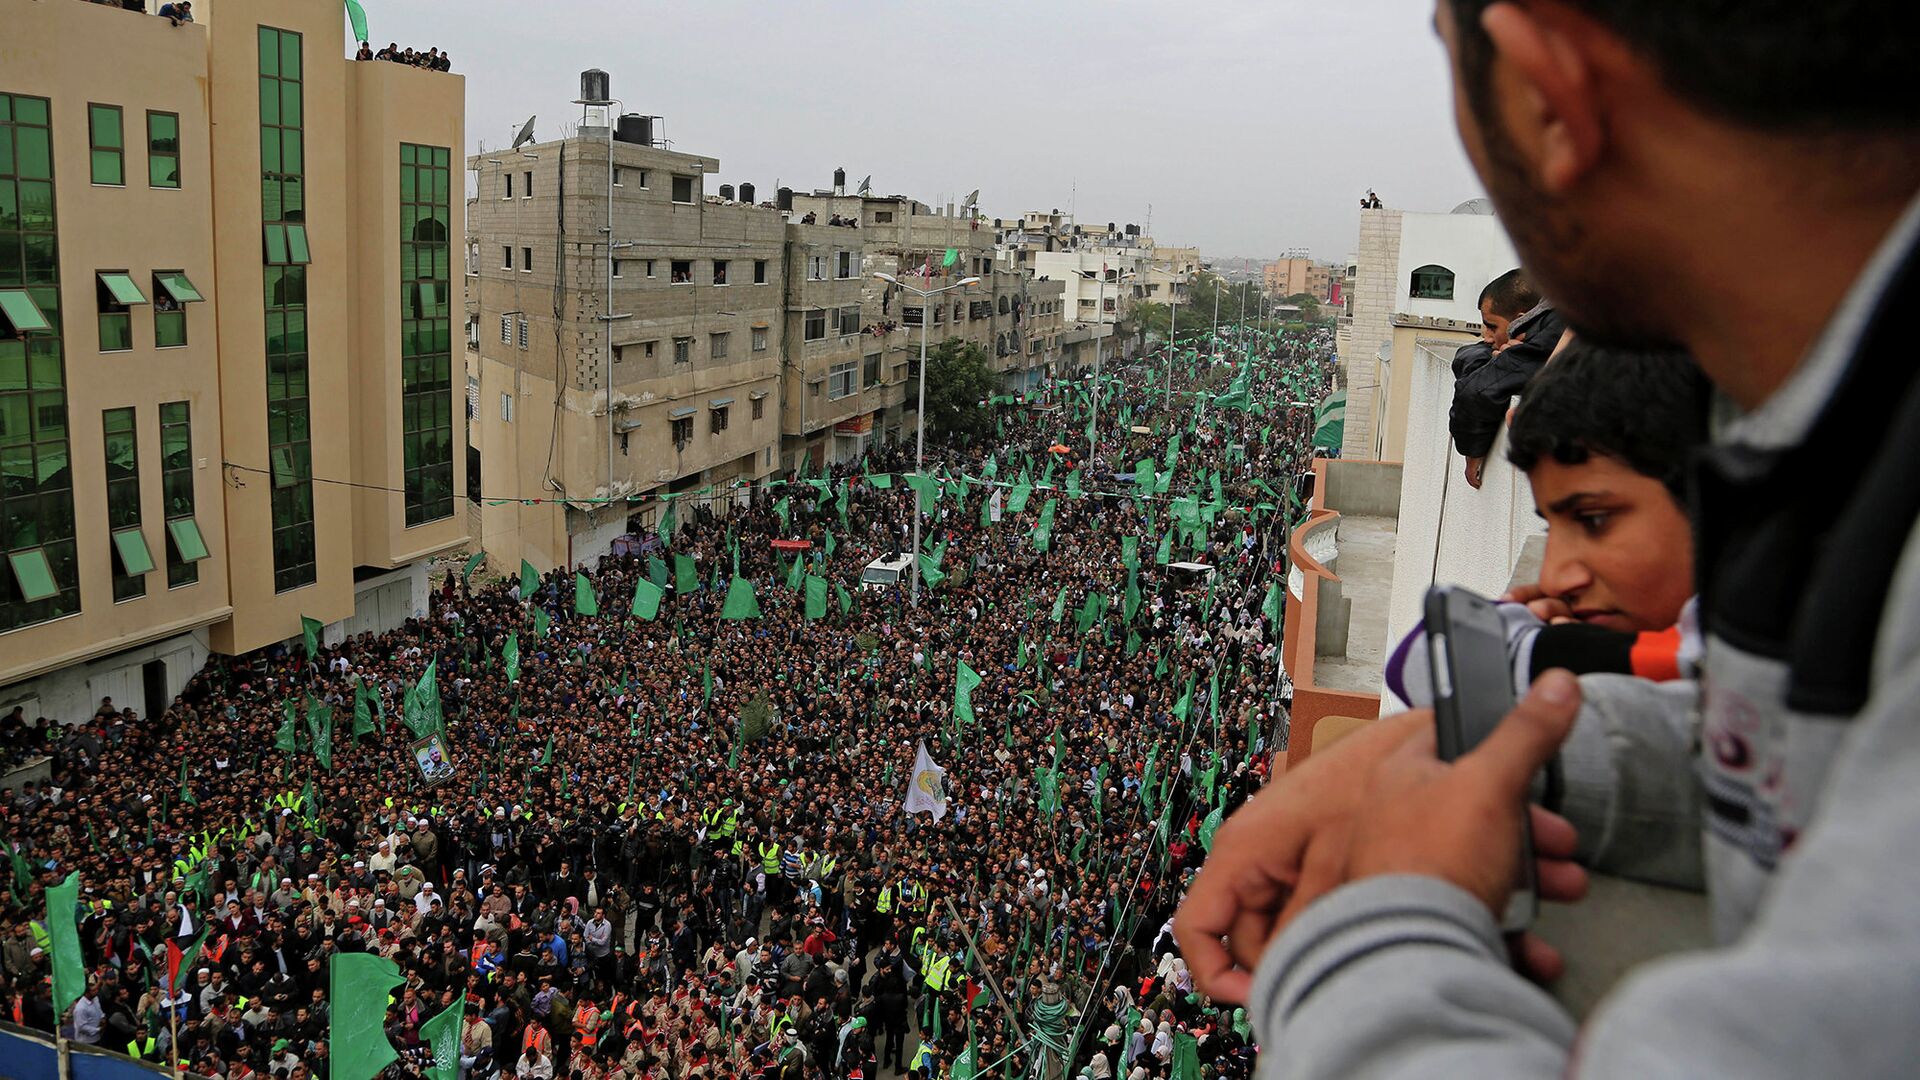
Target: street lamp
x,y
1100,314
920,439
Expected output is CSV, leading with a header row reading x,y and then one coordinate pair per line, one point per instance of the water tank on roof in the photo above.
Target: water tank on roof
x,y
726,192
634,128
594,85
783,199
1133,230
839,181
746,193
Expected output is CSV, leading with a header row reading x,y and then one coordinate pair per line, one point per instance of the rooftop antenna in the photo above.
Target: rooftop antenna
x,y
525,135
866,186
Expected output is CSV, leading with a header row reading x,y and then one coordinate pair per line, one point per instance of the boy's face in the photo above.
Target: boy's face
x,y
1493,327
1619,550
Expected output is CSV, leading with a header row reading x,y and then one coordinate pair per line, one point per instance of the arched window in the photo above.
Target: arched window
x,y
1005,304
1433,283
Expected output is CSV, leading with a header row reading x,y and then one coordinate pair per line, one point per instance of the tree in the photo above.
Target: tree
x,y
1308,304
959,383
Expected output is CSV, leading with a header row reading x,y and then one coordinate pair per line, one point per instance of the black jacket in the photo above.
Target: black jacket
x,y
1485,383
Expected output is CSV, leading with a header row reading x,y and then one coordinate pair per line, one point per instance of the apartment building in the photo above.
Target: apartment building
x,y
225,341
1297,273
626,337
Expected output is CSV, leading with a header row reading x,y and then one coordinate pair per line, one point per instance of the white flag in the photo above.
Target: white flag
x,y
927,789
994,505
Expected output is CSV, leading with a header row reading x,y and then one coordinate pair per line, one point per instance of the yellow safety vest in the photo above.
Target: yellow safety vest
x,y
770,858
884,902
937,973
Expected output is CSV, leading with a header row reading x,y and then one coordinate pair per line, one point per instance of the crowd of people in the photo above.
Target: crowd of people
x,y
432,59
676,846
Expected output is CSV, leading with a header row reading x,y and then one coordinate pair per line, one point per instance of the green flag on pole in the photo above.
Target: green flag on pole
x,y
741,603
286,739
357,17
442,1036
310,630
686,576
585,602
930,571
541,620
529,580
320,725
421,707
816,588
646,599
964,685
473,563
1270,607
63,945
511,654
657,571
841,594
357,988
1059,605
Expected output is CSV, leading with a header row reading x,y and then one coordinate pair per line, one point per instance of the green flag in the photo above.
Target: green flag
x,y
442,1035
964,685
511,653
1185,705
646,599
584,600
883,481
186,790
320,724
1210,826
1186,1057
706,683
286,740
63,945
529,580
310,630
362,708
1271,607
657,571
786,515
541,620
1073,484
357,988
930,571
928,490
1130,552
1165,554
846,598
816,588
421,708
357,16
1043,529
473,563
1017,498
1059,605
741,603
686,576
796,577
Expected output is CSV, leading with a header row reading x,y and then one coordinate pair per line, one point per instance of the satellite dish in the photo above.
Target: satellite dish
x,y
526,134
973,199
866,186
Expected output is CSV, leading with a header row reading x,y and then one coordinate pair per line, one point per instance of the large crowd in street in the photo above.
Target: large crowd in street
x,y
678,846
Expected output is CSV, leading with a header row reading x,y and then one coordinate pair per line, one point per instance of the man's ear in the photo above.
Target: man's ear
x,y
1550,104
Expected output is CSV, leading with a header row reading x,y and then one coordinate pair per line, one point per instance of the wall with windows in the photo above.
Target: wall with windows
x,y
110,438
1472,248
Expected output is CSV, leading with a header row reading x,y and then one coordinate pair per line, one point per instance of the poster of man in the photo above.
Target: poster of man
x,y
436,764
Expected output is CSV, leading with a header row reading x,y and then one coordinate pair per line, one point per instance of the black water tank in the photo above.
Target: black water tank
x,y
634,128
594,86
783,199
726,192
746,194
1133,230
839,180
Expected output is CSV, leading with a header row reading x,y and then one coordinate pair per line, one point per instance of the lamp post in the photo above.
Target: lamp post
x,y
920,438
1100,313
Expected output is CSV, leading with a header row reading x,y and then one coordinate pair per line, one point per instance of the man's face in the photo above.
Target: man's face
x,y
1619,550
1574,246
1493,326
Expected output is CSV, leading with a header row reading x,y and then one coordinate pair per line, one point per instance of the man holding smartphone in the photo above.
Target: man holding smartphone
x,y
1353,901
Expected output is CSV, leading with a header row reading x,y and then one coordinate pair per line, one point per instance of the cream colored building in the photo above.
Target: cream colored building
x,y
1299,273
681,319
225,342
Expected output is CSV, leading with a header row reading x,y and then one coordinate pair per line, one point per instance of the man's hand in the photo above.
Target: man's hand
x,y
1546,608
1260,871
1476,471
1460,822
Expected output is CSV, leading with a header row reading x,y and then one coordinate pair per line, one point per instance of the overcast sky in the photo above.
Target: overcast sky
x,y
1250,126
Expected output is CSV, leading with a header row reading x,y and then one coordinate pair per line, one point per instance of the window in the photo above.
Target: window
x,y
759,271
526,189
717,346
506,257
849,319
163,149
683,189
846,264
107,142
912,316
883,217
172,292
840,380
116,292
616,177
1432,283
649,267
680,272
759,339
717,419
509,193
286,244
1004,305
506,407
185,546
816,268
506,329
616,268
289,408
523,332
426,333
870,376
759,406
683,350
131,559
816,325
526,260
682,431
640,177
719,271
38,578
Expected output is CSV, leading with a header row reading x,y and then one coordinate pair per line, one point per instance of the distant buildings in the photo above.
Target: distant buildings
x,y
1298,273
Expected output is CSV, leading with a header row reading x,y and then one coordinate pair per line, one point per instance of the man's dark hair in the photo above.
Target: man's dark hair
x,y
1813,67
1510,295
1645,409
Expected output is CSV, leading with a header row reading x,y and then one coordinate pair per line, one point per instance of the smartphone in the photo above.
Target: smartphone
x,y
1472,693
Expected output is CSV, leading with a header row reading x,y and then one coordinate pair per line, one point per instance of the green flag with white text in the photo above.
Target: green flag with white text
x,y
965,682
310,631
442,1036
529,580
646,599
63,945
357,987
741,603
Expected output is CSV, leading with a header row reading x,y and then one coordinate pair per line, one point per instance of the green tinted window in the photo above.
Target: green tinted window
x,y
282,203
131,561
163,149
426,385
107,143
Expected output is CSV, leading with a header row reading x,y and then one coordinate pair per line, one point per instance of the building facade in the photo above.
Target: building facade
x,y
1299,273
225,342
